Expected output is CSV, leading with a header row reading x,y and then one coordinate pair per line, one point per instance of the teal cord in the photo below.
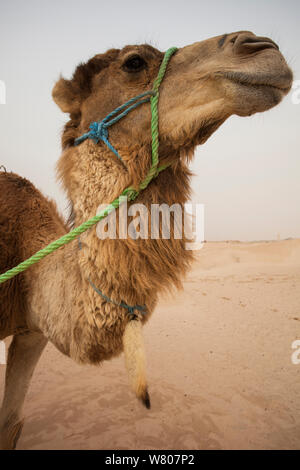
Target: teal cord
x,y
130,308
98,130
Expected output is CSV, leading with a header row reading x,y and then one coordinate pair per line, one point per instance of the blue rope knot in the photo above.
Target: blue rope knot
x,y
132,308
98,131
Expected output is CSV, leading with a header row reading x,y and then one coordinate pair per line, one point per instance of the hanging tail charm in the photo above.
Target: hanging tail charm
x,y
135,360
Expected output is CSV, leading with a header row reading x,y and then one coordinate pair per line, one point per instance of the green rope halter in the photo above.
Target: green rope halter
x,y
129,192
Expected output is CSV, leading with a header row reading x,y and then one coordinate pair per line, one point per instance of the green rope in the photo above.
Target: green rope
x,y
129,192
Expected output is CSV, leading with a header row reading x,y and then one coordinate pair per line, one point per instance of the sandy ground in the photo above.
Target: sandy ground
x,y
219,366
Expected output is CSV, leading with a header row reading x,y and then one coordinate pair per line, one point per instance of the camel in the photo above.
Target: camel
x,y
205,83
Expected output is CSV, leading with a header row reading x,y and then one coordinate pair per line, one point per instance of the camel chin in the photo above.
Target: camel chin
x,y
260,85
251,99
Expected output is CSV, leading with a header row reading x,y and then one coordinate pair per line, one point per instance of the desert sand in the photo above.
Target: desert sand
x,y
219,366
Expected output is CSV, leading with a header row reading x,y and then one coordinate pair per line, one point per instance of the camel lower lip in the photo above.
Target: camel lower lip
x,y
251,82
263,85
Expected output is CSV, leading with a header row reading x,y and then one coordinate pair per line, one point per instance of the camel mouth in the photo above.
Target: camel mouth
x,y
281,82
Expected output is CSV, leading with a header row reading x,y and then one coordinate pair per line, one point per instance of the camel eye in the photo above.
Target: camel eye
x,y
134,64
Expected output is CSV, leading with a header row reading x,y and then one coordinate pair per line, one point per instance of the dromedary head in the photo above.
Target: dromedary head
x,y
206,82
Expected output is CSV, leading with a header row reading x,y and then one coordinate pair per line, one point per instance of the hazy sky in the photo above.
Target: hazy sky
x,y
247,174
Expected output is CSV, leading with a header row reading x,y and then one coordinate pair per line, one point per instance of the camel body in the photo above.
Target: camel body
x,y
206,82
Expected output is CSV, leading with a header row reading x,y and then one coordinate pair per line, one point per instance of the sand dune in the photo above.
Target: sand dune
x,y
219,366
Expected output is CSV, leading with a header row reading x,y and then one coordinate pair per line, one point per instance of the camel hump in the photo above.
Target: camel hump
x,y
24,211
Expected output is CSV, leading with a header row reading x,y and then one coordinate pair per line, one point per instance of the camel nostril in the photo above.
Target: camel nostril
x,y
259,41
232,40
251,44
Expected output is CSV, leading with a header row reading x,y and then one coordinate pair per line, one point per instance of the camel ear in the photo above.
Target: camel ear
x,y
69,94
65,96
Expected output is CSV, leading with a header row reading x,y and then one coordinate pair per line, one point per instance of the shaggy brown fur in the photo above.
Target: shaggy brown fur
x,y
25,207
205,83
